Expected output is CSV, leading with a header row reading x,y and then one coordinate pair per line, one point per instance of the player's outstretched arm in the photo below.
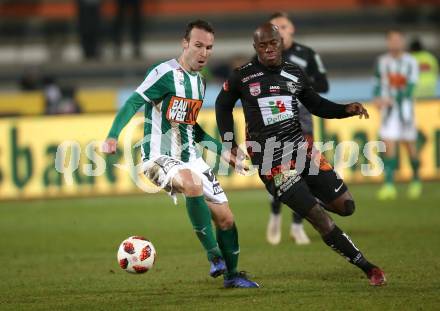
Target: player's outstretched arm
x,y
327,109
122,118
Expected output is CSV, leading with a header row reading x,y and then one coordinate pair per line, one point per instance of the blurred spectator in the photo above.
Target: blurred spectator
x,y
224,70
30,80
428,70
409,11
130,10
89,24
59,100
396,76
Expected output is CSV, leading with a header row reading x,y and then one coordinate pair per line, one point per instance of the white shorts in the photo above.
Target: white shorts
x,y
162,169
393,128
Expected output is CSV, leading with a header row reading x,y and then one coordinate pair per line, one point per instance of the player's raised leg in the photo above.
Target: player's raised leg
x,y
343,205
340,242
300,198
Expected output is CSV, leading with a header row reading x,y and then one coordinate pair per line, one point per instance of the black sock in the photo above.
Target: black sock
x,y
297,218
275,206
341,243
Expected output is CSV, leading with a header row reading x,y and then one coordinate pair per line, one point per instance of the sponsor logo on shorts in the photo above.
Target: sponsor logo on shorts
x,y
282,177
216,188
167,163
183,110
285,180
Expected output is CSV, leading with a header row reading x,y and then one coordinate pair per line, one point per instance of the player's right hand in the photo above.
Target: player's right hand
x,y
357,109
109,146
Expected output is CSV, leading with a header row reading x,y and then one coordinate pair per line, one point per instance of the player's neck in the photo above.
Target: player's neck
x,y
184,65
270,66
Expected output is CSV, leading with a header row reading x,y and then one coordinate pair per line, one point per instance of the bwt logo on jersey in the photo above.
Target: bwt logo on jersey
x,y
275,109
183,110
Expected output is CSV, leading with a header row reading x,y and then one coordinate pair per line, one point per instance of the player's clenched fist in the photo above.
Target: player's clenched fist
x,y
357,109
109,145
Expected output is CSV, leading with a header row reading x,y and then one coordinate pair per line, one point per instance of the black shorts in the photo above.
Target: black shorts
x,y
299,191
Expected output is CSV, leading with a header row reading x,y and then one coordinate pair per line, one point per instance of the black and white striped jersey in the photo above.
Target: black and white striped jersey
x,y
269,96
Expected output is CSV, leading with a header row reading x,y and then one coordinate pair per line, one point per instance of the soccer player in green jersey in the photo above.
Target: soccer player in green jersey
x,y
172,94
396,77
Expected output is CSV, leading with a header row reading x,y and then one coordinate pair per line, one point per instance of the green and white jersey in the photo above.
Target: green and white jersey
x,y
396,79
172,98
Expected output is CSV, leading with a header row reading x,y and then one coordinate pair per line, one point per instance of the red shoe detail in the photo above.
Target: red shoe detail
x,y
376,277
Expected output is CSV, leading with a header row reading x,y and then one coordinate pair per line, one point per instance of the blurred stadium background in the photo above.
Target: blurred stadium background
x,y
61,58
65,70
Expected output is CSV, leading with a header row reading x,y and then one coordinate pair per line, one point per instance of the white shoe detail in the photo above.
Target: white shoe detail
x,y
273,232
299,235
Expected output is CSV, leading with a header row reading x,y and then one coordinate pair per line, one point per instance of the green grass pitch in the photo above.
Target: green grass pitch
x,y
61,255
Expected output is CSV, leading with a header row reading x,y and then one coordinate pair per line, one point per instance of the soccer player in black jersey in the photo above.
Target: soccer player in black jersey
x,y
310,62
300,177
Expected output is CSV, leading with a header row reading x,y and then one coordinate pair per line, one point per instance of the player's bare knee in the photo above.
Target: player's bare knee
x,y
226,222
191,183
192,189
349,208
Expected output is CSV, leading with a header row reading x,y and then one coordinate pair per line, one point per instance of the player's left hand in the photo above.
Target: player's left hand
x,y
236,158
357,109
109,146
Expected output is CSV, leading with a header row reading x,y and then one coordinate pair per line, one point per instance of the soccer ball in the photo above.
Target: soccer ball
x,y
136,254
